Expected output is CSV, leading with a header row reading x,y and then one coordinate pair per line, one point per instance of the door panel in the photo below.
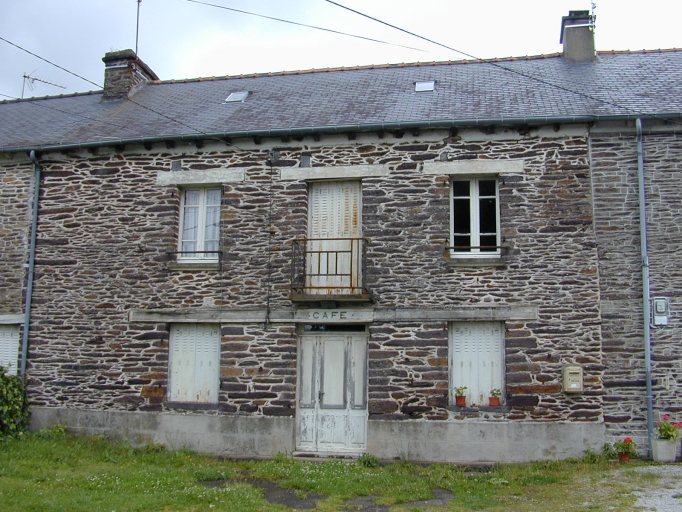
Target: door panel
x,y
332,416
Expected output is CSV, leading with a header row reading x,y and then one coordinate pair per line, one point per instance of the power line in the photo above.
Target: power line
x,y
500,66
51,63
304,25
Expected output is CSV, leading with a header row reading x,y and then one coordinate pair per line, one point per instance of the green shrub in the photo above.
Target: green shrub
x,y
368,461
13,404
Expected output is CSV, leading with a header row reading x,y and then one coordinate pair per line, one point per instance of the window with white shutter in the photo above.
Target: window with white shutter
x,y
9,347
476,359
194,363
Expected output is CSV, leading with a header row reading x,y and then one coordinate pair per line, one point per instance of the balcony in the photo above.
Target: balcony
x,y
328,269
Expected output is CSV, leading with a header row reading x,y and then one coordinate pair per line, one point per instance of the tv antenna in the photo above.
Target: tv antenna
x,y
137,30
31,80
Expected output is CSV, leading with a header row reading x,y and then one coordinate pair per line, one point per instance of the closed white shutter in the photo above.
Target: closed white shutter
x,y
194,363
9,347
476,359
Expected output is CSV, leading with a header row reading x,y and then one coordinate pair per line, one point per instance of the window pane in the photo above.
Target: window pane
x,y
490,241
213,196
486,188
192,197
460,188
190,223
212,223
462,216
462,241
488,215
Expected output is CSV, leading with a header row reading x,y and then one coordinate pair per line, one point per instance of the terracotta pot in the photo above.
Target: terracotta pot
x,y
663,450
623,457
494,401
460,401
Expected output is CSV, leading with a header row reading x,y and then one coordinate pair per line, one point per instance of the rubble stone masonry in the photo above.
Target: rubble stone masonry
x,y
106,230
16,195
614,164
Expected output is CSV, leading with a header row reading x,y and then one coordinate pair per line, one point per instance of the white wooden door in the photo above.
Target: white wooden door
x,y
334,225
477,359
332,393
194,363
9,347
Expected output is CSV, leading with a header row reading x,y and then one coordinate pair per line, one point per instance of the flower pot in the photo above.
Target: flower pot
x,y
460,401
624,457
494,401
664,450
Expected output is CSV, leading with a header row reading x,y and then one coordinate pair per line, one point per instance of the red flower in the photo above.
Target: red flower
x,y
627,440
666,417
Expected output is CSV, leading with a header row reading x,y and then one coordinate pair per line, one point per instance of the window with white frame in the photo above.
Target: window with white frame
x,y
194,363
476,351
200,224
475,217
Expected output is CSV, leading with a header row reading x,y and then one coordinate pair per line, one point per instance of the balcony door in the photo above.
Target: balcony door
x,y
333,263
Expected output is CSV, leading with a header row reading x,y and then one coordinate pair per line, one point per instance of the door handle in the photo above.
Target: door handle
x,y
320,394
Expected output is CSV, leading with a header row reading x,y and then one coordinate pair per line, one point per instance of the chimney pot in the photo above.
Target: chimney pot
x,y
577,36
124,74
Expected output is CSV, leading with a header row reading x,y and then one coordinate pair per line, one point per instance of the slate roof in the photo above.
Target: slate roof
x,y
357,99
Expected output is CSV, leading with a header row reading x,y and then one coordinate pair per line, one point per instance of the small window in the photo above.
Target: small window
x,y
237,96
194,363
476,359
9,347
424,86
475,218
200,225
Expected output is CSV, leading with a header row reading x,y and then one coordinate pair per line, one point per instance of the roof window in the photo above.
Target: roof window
x,y
424,86
237,96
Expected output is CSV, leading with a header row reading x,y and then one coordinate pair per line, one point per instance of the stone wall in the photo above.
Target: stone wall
x,y
106,231
16,197
614,165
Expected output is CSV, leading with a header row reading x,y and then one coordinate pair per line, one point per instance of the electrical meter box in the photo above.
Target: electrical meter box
x,y
660,310
573,379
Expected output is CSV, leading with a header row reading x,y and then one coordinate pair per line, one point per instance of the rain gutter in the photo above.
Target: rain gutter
x,y
371,127
646,292
31,262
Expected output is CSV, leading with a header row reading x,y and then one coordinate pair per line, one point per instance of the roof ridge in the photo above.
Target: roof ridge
x,y
399,65
56,96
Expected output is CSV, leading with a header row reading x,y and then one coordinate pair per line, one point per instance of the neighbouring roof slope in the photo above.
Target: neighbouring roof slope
x,y
347,99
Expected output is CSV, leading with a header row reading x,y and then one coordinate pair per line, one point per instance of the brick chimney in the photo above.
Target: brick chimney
x,y
577,36
124,74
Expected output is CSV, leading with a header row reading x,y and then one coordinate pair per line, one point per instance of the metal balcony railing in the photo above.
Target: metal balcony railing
x,y
328,267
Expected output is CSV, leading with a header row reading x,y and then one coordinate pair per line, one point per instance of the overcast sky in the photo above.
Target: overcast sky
x,y
180,39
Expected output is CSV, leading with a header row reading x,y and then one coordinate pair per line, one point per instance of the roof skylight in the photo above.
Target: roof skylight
x,y
424,86
237,96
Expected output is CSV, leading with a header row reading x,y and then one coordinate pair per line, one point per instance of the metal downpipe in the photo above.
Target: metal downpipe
x,y
31,262
646,304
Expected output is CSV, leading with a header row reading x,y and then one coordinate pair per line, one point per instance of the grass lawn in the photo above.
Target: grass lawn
x,y
53,471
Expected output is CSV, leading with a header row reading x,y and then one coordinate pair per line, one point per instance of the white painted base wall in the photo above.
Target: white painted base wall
x,y
260,436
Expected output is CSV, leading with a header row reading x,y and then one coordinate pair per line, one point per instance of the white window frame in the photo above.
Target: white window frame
x,y
201,226
474,216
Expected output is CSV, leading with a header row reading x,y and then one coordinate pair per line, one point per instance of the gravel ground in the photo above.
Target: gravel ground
x,y
666,495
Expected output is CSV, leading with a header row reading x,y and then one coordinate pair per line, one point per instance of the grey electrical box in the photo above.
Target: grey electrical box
x,y
573,379
660,311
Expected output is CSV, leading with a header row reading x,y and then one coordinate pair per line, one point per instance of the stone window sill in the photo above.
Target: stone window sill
x,y
476,262
502,409
194,266
191,406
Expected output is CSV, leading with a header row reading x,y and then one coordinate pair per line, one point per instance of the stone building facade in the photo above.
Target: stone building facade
x,y
327,281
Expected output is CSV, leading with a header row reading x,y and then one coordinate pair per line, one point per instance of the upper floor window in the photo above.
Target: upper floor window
x,y
475,218
200,224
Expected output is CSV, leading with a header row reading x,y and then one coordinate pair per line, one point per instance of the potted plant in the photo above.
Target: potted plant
x,y
625,448
460,399
664,447
494,398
